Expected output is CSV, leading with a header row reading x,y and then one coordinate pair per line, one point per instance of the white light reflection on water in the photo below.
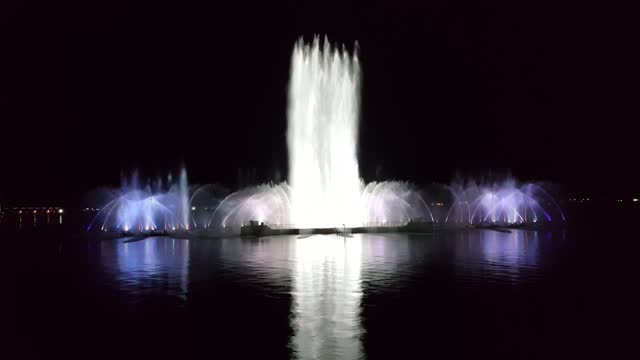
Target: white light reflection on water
x,y
148,265
319,282
327,291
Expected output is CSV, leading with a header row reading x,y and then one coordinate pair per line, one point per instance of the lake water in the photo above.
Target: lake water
x,y
452,294
460,294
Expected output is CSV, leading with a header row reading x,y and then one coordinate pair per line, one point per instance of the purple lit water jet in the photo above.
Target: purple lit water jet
x,y
503,202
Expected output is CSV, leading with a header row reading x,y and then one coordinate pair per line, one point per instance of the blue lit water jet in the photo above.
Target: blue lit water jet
x,y
137,208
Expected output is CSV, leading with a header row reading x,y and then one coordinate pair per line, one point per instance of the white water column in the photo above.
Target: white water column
x,y
322,136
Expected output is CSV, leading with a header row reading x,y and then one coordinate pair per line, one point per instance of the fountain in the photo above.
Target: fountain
x,y
502,202
324,190
268,203
322,136
146,209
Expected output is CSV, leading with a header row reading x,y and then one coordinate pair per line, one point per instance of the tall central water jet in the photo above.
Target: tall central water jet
x,y
322,136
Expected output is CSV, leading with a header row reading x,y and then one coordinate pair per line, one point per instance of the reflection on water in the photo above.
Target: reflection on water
x,y
149,265
344,296
494,256
326,297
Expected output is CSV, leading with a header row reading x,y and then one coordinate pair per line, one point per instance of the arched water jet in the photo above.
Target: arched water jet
x,y
134,208
502,202
267,203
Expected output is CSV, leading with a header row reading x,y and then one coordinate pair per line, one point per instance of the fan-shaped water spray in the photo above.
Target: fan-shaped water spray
x,y
136,208
393,203
264,203
502,202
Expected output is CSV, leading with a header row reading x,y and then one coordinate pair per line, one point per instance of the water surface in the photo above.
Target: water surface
x,y
452,294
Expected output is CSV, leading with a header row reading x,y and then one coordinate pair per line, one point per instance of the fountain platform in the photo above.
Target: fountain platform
x,y
254,228
145,233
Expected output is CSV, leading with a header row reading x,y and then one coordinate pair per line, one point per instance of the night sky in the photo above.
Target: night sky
x,y
543,90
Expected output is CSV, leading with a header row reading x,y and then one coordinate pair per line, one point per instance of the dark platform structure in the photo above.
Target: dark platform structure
x,y
259,229
145,233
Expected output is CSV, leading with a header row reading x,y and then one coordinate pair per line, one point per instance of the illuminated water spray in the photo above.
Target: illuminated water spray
x,y
502,202
183,196
145,208
324,189
322,136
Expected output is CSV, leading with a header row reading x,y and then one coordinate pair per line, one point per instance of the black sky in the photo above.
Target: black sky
x,y
545,90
